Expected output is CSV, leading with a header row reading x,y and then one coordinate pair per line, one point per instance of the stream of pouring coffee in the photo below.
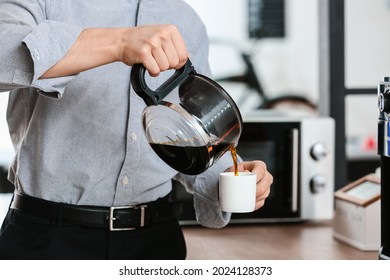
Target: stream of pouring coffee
x,y
234,156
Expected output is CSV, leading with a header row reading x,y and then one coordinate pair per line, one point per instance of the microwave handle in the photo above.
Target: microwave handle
x,y
295,169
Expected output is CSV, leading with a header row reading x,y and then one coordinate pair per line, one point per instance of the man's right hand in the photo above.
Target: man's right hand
x,y
157,47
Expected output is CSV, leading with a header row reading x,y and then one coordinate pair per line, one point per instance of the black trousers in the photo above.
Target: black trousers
x,y
25,237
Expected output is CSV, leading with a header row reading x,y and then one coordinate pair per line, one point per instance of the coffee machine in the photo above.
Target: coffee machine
x,y
384,153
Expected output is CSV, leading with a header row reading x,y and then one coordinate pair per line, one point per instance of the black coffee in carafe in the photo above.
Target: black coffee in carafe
x,y
188,159
192,135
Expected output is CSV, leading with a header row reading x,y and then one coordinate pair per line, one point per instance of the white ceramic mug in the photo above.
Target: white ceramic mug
x,y
237,194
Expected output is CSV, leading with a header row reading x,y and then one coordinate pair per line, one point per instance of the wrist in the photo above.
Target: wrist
x,y
116,38
103,44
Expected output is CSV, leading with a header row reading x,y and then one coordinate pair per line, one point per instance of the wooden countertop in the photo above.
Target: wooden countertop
x,y
296,241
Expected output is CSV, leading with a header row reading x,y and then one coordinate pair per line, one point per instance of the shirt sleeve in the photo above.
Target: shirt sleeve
x,y
206,195
204,188
33,44
48,43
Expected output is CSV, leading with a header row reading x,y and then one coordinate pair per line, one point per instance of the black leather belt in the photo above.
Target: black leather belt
x,y
112,218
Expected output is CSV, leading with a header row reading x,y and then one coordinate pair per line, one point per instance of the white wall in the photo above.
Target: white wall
x,y
291,65
367,57
284,65
367,52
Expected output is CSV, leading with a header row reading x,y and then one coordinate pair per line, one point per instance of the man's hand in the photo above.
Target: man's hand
x,y
264,179
158,48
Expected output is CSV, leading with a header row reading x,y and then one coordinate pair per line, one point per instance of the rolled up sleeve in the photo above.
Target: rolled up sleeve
x,y
48,43
30,45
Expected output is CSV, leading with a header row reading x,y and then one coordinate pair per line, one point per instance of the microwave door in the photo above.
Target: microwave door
x,y
294,169
285,166
277,144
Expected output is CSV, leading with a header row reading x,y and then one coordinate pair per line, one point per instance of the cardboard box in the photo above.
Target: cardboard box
x,y
357,213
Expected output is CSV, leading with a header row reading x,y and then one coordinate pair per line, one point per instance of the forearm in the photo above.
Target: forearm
x,y
94,47
158,47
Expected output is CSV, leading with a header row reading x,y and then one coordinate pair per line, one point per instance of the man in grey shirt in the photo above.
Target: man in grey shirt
x,y
75,123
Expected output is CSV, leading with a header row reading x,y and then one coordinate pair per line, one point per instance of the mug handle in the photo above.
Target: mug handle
x,y
154,97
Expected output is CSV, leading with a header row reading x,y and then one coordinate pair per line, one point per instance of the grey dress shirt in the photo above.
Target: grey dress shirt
x,y
79,139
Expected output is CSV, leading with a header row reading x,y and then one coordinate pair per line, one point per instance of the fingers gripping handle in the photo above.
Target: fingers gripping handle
x,y
154,97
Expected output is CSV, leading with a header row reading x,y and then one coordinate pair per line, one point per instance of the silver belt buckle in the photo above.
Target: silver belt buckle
x,y
112,218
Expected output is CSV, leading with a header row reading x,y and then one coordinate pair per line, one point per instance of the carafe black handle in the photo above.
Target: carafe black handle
x,y
154,97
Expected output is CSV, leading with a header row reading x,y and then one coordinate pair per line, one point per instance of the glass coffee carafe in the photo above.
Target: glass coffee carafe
x,y
192,135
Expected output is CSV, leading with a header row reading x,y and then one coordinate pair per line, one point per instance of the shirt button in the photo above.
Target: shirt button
x,y
125,181
36,53
134,136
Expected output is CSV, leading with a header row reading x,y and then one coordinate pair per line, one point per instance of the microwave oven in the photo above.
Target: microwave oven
x,y
299,153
